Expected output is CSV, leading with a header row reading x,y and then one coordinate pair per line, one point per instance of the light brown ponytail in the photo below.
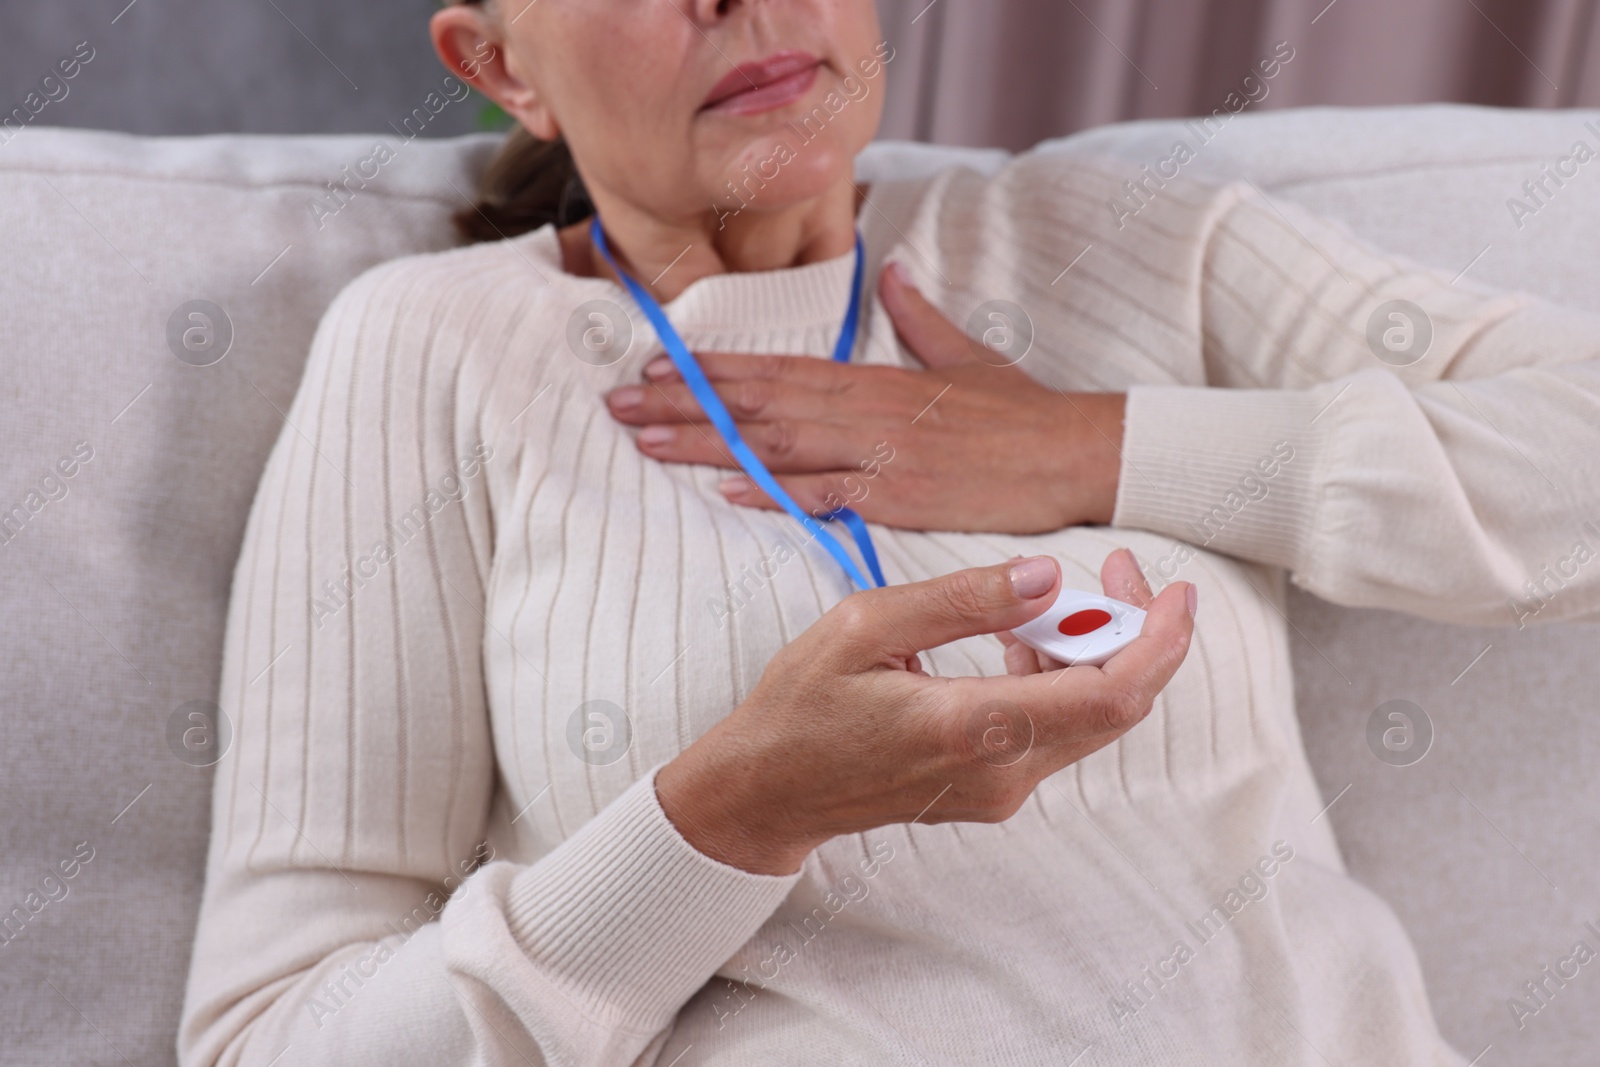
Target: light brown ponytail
x,y
529,183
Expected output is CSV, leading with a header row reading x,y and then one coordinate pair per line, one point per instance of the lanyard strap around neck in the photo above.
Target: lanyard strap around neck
x,y
695,378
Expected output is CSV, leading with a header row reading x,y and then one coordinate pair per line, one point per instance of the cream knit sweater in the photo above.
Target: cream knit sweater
x,y
470,621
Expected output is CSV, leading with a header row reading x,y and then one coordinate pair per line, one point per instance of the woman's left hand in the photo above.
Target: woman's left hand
x,y
965,445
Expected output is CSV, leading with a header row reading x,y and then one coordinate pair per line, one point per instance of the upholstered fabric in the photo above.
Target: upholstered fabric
x,y
115,588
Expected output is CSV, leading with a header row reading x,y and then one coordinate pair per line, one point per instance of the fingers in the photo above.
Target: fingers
x,y
783,446
1122,579
931,337
901,620
671,401
1080,703
817,494
1019,658
806,372
1145,667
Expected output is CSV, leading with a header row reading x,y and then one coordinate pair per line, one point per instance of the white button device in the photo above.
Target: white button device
x,y
1082,628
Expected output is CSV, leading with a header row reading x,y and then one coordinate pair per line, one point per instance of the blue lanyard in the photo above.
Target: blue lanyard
x,y
717,412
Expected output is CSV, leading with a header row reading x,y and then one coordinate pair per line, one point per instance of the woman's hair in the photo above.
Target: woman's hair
x,y
529,183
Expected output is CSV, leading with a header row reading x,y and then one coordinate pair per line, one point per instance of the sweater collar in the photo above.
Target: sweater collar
x,y
812,295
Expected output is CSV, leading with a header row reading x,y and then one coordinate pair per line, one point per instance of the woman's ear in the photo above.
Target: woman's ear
x,y
471,43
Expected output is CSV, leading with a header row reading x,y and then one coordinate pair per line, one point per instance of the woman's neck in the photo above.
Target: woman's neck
x,y
667,256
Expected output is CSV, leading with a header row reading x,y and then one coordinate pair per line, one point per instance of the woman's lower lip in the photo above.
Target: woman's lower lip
x,y
769,96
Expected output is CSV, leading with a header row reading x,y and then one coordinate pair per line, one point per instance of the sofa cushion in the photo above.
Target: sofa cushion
x,y
126,474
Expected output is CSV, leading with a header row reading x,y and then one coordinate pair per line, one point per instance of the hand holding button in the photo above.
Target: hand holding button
x,y
846,731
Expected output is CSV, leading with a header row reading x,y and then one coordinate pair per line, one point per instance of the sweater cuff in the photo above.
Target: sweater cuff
x,y
1236,471
630,917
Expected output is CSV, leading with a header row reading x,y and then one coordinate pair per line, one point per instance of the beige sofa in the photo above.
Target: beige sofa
x,y
132,435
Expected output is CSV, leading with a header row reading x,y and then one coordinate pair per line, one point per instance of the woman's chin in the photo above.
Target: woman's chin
x,y
772,175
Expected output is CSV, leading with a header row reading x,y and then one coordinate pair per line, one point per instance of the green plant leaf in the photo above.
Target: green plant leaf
x,y
492,117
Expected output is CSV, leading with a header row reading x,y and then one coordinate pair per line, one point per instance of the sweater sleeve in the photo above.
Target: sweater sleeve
x,y
354,912
1392,436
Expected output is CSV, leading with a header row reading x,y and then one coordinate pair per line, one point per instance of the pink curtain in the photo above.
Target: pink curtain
x,y
1009,73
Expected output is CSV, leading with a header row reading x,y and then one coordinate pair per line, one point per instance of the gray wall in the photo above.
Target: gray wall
x,y
229,66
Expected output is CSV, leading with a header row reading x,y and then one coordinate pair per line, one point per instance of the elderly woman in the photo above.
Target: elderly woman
x,y
562,740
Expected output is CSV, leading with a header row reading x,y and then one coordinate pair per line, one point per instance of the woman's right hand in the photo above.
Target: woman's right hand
x,y
845,732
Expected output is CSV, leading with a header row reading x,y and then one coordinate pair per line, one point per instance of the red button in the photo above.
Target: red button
x,y
1084,622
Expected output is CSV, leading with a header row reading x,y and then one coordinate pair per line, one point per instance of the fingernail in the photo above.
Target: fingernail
x,y
657,435
1193,596
1129,553
659,367
627,398
1032,577
898,273
738,485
